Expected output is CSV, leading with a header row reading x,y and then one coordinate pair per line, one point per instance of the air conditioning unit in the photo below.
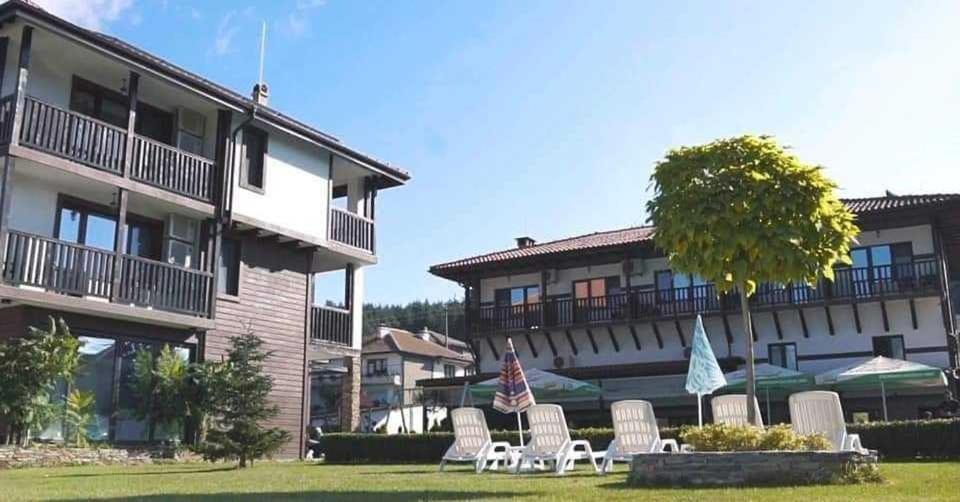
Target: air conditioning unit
x,y
181,240
181,228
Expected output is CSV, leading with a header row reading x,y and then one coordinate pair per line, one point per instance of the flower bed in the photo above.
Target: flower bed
x,y
746,468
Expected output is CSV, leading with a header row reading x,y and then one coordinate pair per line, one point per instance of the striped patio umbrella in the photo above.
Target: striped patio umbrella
x,y
513,394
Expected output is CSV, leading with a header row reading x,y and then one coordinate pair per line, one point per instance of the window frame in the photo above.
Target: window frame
x,y
85,208
376,367
249,132
226,294
782,346
903,345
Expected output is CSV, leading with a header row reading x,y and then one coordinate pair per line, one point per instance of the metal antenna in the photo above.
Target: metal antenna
x,y
263,46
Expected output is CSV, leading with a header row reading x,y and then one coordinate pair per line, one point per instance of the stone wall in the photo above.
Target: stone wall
x,y
13,457
743,468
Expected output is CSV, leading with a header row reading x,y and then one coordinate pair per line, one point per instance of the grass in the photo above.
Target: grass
x,y
385,483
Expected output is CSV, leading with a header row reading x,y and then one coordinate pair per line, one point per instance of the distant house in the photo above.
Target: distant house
x,y
392,363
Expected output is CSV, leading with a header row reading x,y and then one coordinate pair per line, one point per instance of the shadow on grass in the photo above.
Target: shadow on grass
x,y
145,473
326,496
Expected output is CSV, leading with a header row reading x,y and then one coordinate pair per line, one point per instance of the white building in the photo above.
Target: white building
x,y
605,307
393,362
149,206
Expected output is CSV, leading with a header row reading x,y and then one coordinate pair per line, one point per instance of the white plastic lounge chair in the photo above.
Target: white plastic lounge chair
x,y
819,411
472,442
635,432
731,409
550,441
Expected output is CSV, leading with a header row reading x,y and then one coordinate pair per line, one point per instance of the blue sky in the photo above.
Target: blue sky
x,y
545,118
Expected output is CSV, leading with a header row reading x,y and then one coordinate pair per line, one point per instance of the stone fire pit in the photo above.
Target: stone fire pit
x,y
743,468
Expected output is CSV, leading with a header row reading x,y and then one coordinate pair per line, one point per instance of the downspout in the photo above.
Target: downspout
x,y
228,179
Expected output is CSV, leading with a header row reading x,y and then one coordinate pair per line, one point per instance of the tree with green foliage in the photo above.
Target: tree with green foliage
x,y
742,211
241,406
159,384
199,394
30,367
79,412
440,316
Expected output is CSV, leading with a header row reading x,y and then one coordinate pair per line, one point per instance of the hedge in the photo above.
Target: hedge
x,y
894,440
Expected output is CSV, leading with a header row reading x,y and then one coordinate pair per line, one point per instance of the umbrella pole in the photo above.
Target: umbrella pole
x,y
700,410
767,392
520,427
883,397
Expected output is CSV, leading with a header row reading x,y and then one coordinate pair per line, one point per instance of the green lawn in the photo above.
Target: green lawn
x,y
297,481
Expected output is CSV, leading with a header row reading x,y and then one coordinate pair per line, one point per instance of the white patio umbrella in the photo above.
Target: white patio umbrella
x,y
704,374
884,372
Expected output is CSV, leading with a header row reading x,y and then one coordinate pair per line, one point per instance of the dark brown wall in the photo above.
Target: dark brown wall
x,y
272,302
14,321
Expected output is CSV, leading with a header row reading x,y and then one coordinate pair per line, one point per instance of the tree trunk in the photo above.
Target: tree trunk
x,y
748,355
243,462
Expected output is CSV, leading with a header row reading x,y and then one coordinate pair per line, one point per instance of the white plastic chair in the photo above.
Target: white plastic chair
x,y
472,442
635,432
819,412
550,441
731,409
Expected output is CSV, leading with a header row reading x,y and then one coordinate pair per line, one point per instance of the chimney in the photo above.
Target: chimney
x,y
525,242
260,94
383,331
425,334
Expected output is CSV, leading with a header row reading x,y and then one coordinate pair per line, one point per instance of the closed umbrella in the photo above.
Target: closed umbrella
x,y
513,394
884,372
704,374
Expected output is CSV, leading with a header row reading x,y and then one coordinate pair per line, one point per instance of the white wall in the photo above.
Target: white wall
x,y
33,207
295,187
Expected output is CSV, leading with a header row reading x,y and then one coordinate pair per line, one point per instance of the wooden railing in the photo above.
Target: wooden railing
x,y
71,135
850,284
163,286
73,269
331,324
58,266
171,168
352,229
86,140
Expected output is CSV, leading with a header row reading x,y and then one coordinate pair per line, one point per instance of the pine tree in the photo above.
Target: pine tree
x,y
241,406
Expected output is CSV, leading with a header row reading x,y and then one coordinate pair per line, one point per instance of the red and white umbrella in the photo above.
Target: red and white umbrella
x,y
513,393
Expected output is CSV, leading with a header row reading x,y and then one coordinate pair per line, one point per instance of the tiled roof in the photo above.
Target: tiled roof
x,y
398,340
163,66
636,235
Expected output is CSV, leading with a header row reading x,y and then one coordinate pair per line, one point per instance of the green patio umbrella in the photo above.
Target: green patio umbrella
x,y
885,373
546,386
769,377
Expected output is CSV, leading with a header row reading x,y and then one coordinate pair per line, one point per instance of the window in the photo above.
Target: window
x,y
783,355
228,275
449,371
874,267
376,367
154,123
252,161
889,346
590,298
86,224
110,106
144,238
517,307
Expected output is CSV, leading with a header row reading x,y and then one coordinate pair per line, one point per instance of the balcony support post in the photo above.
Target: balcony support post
x,y
803,322
656,333
883,313
913,313
636,339
133,88
119,243
826,312
549,337
776,324
23,71
543,298
6,192
856,317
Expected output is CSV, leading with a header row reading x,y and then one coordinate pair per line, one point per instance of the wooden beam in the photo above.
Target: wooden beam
x,y
856,317
20,88
119,242
776,324
493,350
593,342
476,352
803,323
753,329
533,350
549,337
913,313
683,340
726,328
826,310
883,313
636,339
133,88
4,43
613,339
656,333
573,346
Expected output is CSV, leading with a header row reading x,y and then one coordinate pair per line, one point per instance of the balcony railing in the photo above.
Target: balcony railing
x,y
331,324
352,229
73,269
850,284
97,144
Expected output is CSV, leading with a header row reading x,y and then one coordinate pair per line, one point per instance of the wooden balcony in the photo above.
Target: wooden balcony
x,y
76,137
72,269
352,229
851,285
331,325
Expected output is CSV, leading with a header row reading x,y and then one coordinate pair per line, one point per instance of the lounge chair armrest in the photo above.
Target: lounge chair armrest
x,y
672,443
687,448
500,444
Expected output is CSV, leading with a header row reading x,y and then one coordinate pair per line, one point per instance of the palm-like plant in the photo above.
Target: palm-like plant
x,y
80,404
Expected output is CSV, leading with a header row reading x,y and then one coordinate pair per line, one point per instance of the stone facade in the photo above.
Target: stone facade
x,y
13,457
350,412
743,468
